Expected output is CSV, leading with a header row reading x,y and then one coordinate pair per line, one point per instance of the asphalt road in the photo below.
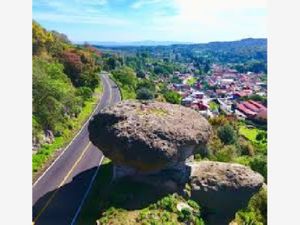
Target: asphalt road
x,y
58,193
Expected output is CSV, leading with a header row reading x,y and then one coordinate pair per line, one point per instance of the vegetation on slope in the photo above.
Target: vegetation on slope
x,y
128,202
256,211
65,88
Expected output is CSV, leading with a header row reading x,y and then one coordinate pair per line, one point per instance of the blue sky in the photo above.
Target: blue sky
x,y
158,20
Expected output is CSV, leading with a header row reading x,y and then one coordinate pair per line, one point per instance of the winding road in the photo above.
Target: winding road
x,y
58,194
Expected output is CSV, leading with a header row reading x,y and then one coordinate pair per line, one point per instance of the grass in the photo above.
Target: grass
x,y
46,152
191,81
213,105
248,133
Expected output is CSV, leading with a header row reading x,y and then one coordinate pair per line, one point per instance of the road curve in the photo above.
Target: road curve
x,y
58,193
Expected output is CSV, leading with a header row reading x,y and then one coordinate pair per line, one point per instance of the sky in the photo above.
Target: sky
x,y
197,21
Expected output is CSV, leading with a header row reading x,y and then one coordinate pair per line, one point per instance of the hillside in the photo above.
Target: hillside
x,y
244,55
64,84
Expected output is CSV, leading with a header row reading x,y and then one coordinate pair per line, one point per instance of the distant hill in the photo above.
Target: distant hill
x,y
244,55
135,43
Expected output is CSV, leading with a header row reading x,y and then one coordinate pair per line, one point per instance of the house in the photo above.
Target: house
x,y
187,101
198,94
253,109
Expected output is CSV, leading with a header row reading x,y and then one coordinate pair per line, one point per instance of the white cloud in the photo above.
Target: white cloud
x,y
80,19
140,3
202,20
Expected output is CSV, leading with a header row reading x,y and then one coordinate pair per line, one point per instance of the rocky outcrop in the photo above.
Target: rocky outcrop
x,y
223,188
148,136
153,141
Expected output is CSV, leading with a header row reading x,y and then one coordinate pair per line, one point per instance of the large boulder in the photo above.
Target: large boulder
x,y
223,188
148,136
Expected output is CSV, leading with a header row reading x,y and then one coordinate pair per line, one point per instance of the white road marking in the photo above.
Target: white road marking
x,y
86,193
66,148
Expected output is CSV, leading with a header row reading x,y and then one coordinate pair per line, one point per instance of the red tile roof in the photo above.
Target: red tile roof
x,y
252,108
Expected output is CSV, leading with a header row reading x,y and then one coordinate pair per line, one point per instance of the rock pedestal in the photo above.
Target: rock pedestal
x,y
148,136
223,188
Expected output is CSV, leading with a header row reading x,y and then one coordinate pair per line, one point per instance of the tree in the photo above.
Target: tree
x,y
126,76
85,92
144,93
141,74
73,65
172,97
146,84
41,39
227,134
53,94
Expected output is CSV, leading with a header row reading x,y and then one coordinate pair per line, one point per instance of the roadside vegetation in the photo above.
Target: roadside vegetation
x,y
65,89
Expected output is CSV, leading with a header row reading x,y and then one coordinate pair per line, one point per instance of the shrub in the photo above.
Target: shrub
x,y
168,203
214,145
218,121
193,204
256,211
197,157
227,134
259,164
144,93
261,136
227,153
246,148
85,92
185,215
172,97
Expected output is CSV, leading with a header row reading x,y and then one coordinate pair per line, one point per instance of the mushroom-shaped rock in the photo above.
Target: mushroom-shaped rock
x,y
148,136
223,188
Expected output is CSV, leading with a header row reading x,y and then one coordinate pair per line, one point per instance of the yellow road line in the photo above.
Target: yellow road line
x,y
71,170
62,183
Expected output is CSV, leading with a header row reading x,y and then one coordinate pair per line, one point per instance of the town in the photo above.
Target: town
x,y
224,91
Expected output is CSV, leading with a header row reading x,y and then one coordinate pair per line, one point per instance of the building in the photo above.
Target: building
x,y
253,109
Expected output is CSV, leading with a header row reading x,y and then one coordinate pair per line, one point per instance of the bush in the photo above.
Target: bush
x,y
144,93
246,148
172,97
85,92
256,211
197,157
227,153
193,204
227,134
168,203
185,215
259,164
214,145
261,136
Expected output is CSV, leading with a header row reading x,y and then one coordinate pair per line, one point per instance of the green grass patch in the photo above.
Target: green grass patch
x,y
191,81
213,105
47,150
249,133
